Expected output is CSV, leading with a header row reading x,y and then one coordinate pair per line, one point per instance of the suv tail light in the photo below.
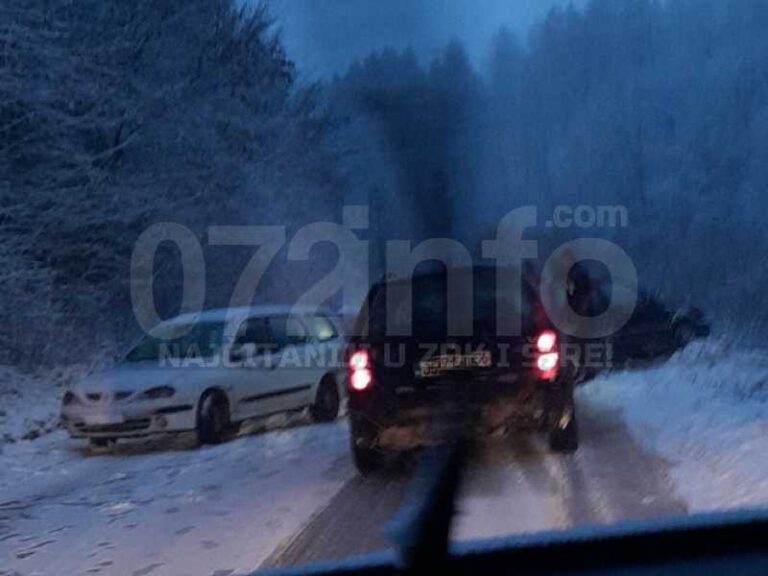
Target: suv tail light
x,y
547,356
546,341
360,376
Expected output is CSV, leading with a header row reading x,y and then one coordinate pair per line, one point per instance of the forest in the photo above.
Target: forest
x,y
118,115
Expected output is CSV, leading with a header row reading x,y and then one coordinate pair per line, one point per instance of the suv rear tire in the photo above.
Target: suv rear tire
x,y
367,459
561,420
362,441
565,440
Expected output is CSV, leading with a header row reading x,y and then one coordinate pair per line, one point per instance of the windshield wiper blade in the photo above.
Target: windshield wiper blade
x,y
421,529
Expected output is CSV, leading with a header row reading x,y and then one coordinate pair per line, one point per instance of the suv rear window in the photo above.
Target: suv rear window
x,y
429,309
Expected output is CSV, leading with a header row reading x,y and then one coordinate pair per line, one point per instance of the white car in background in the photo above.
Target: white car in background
x,y
210,371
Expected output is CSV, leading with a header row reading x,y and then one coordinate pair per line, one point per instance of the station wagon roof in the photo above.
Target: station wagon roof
x,y
221,314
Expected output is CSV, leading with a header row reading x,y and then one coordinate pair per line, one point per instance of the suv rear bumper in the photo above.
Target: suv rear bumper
x,y
404,421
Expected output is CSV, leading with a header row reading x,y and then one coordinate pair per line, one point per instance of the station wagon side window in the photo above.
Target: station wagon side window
x,y
254,331
252,338
286,330
321,328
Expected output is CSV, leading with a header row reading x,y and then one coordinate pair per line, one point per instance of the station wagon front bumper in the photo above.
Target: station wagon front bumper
x,y
112,420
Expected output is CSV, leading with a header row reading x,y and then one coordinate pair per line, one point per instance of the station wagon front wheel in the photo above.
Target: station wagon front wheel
x,y
212,418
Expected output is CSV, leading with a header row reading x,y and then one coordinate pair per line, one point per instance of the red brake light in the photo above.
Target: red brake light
x,y
547,358
546,342
360,379
360,376
547,362
358,360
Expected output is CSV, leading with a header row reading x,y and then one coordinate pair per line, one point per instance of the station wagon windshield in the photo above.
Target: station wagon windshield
x,y
203,340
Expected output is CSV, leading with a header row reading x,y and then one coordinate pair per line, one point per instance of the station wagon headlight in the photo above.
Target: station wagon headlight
x,y
159,392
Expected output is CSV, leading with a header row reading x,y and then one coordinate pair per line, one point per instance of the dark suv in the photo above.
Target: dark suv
x,y
426,357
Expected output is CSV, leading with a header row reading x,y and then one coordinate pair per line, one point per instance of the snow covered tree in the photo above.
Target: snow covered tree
x,y
115,115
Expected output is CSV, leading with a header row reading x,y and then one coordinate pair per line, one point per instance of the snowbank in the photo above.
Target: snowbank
x,y
706,410
29,404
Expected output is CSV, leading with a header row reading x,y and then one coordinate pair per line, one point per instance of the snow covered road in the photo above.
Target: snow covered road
x,y
512,485
686,435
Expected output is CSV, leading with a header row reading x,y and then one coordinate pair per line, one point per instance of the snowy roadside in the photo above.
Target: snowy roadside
x,y
164,506
706,411
157,505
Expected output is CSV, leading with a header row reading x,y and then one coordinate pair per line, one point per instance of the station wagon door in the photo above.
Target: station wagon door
x,y
294,378
253,368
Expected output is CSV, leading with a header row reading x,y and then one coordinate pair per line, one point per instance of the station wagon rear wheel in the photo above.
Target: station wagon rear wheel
x,y
326,405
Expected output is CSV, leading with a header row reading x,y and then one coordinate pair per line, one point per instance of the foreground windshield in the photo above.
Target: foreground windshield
x,y
534,229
